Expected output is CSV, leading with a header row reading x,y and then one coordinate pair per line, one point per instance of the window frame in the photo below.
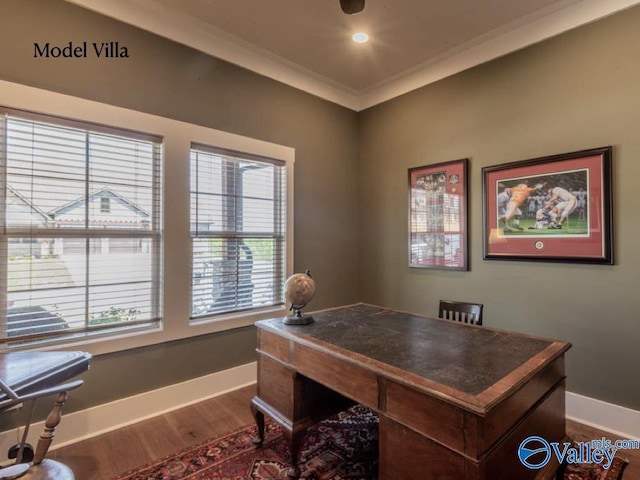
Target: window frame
x,y
176,279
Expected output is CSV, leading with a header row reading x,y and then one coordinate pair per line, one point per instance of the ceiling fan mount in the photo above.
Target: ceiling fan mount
x,y
352,6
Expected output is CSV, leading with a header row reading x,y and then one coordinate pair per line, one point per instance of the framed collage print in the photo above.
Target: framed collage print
x,y
438,216
555,208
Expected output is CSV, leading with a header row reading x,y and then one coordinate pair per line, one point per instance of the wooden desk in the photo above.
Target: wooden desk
x,y
455,401
29,374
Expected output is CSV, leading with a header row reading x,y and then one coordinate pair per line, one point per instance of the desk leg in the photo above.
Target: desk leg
x,y
259,417
294,439
294,402
292,434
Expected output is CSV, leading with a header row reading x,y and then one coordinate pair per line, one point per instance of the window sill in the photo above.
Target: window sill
x,y
103,343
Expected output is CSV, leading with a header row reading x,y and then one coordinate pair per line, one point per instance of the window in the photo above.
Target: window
x,y
238,231
72,273
80,235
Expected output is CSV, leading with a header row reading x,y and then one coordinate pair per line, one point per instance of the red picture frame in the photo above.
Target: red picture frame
x,y
553,209
438,204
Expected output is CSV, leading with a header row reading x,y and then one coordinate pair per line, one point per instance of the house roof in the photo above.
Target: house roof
x,y
104,192
23,205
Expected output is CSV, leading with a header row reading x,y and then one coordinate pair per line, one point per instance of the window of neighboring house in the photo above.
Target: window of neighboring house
x,y
238,231
66,270
105,205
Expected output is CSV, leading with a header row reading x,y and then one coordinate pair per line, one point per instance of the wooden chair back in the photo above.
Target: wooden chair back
x,y
461,311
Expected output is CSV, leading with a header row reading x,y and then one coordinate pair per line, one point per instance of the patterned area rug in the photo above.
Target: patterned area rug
x,y
343,447
595,472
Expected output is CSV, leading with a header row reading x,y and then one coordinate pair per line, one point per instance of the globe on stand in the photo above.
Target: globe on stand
x,y
298,291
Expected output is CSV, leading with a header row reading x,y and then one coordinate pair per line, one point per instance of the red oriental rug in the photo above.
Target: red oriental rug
x,y
343,447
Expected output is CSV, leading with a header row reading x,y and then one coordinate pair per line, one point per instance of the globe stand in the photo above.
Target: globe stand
x,y
298,318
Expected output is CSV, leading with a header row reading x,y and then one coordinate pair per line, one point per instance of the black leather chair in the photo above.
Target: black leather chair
x,y
461,311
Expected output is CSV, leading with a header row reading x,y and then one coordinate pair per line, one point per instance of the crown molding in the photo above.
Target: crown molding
x,y
194,33
493,45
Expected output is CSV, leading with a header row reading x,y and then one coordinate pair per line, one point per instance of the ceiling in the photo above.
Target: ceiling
x,y
307,43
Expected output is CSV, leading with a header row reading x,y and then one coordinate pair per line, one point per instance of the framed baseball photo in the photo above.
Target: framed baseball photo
x,y
438,216
552,209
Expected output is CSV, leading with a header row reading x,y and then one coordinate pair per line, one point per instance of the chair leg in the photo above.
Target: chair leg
x,y
49,429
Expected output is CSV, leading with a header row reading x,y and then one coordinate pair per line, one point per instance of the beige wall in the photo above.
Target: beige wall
x,y
168,79
577,91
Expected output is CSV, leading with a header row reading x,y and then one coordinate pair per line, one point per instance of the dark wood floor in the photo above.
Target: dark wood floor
x,y
105,456
113,453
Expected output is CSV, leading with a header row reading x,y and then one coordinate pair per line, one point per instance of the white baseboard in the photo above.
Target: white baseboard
x,y
77,426
94,421
612,418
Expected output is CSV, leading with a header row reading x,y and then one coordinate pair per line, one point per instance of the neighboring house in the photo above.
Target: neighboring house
x,y
106,209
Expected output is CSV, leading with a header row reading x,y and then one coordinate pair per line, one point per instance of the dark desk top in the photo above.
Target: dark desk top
x,y
466,358
25,372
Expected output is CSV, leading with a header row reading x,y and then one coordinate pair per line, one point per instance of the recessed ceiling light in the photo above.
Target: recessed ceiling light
x,y
360,37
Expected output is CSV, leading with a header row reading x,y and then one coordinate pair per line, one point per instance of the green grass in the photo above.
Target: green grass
x,y
572,226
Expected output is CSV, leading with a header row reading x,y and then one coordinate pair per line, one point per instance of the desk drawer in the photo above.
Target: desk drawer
x,y
274,345
276,385
405,453
427,415
346,378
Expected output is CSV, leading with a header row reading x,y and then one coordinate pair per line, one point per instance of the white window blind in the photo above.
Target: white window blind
x,y
81,236
238,231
